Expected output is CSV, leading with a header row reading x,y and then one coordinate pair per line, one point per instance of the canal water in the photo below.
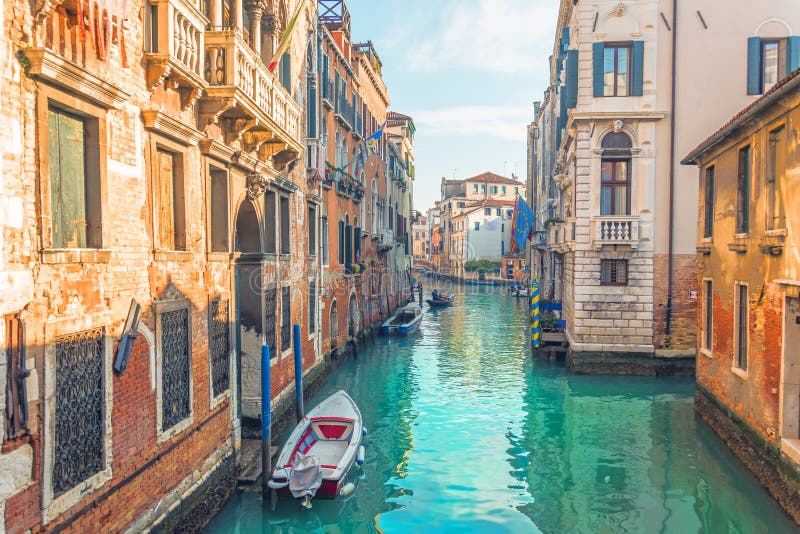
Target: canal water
x,y
468,434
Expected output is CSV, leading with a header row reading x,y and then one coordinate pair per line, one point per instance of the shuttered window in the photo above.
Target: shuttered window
x,y
618,69
219,211
776,169
74,181
742,325
325,241
286,71
708,315
770,60
286,245
743,192
170,209
708,211
571,94
16,393
341,242
312,307
312,230
270,223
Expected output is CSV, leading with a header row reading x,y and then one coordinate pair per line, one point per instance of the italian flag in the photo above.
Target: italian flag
x,y
286,39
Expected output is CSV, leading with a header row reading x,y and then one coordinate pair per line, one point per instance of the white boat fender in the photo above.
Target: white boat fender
x,y
363,431
360,456
347,489
277,485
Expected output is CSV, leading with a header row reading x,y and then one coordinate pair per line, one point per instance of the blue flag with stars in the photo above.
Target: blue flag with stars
x,y
522,225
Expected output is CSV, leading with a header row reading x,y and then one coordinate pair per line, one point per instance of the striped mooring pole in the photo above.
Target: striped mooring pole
x,y
534,313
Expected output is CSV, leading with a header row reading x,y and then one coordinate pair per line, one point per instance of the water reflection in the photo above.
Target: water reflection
x,y
468,434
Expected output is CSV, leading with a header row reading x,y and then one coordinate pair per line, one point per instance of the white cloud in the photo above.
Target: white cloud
x,y
505,36
505,122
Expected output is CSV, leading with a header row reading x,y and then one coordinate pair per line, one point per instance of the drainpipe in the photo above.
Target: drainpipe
x,y
670,274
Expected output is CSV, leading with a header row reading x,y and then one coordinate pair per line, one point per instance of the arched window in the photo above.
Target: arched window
x,y
352,317
374,212
363,183
356,241
334,323
615,174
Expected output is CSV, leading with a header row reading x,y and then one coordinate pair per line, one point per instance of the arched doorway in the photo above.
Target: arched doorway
x,y
249,307
248,231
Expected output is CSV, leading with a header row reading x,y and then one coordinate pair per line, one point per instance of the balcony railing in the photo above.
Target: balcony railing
x,y
345,112
239,81
176,47
616,230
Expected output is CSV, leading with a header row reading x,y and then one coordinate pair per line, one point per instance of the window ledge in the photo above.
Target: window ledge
x,y
75,255
707,353
173,255
166,435
778,232
222,257
739,372
285,257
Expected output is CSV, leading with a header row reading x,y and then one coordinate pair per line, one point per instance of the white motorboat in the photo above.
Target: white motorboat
x,y
321,451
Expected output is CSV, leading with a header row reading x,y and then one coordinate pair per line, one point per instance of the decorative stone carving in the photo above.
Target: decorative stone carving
x,y
617,125
256,185
618,10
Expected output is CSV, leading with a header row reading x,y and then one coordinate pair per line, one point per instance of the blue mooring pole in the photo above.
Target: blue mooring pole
x,y
298,374
266,422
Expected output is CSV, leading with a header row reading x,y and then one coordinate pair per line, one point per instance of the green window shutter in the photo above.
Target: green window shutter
x,y
67,180
572,79
792,54
753,66
341,242
598,51
637,64
312,110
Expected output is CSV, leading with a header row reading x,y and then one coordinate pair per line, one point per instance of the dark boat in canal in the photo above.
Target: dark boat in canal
x,y
320,453
442,301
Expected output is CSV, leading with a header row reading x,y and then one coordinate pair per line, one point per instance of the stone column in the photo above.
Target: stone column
x,y
215,13
237,15
270,42
255,10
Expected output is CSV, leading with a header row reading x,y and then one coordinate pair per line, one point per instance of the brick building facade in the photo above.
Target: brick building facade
x,y
748,369
144,169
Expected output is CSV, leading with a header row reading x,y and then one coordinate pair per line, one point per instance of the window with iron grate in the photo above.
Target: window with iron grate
x,y
219,337
270,316
286,319
79,422
175,367
614,272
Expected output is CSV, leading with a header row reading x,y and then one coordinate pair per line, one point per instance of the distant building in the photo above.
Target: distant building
x,y
748,367
460,197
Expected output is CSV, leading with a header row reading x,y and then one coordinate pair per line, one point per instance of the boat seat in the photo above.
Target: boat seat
x,y
332,430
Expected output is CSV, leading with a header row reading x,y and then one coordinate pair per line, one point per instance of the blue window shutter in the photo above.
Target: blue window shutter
x,y
598,51
637,65
792,54
571,95
564,39
753,66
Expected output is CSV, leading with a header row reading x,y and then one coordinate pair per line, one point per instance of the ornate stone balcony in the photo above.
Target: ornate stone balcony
x,y
176,47
253,107
615,230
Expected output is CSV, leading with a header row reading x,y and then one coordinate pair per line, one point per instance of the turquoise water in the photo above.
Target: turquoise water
x,y
468,434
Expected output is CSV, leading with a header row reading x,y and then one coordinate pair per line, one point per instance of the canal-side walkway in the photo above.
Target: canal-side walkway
x,y
467,433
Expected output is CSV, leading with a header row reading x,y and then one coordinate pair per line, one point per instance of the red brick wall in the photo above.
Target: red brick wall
x,y
684,309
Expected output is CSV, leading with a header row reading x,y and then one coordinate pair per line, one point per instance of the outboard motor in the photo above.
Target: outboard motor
x,y
305,478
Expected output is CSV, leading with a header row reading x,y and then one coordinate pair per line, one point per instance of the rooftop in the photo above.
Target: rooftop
x,y
492,178
786,85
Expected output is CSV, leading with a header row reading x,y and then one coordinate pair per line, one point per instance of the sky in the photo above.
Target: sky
x,y
468,72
